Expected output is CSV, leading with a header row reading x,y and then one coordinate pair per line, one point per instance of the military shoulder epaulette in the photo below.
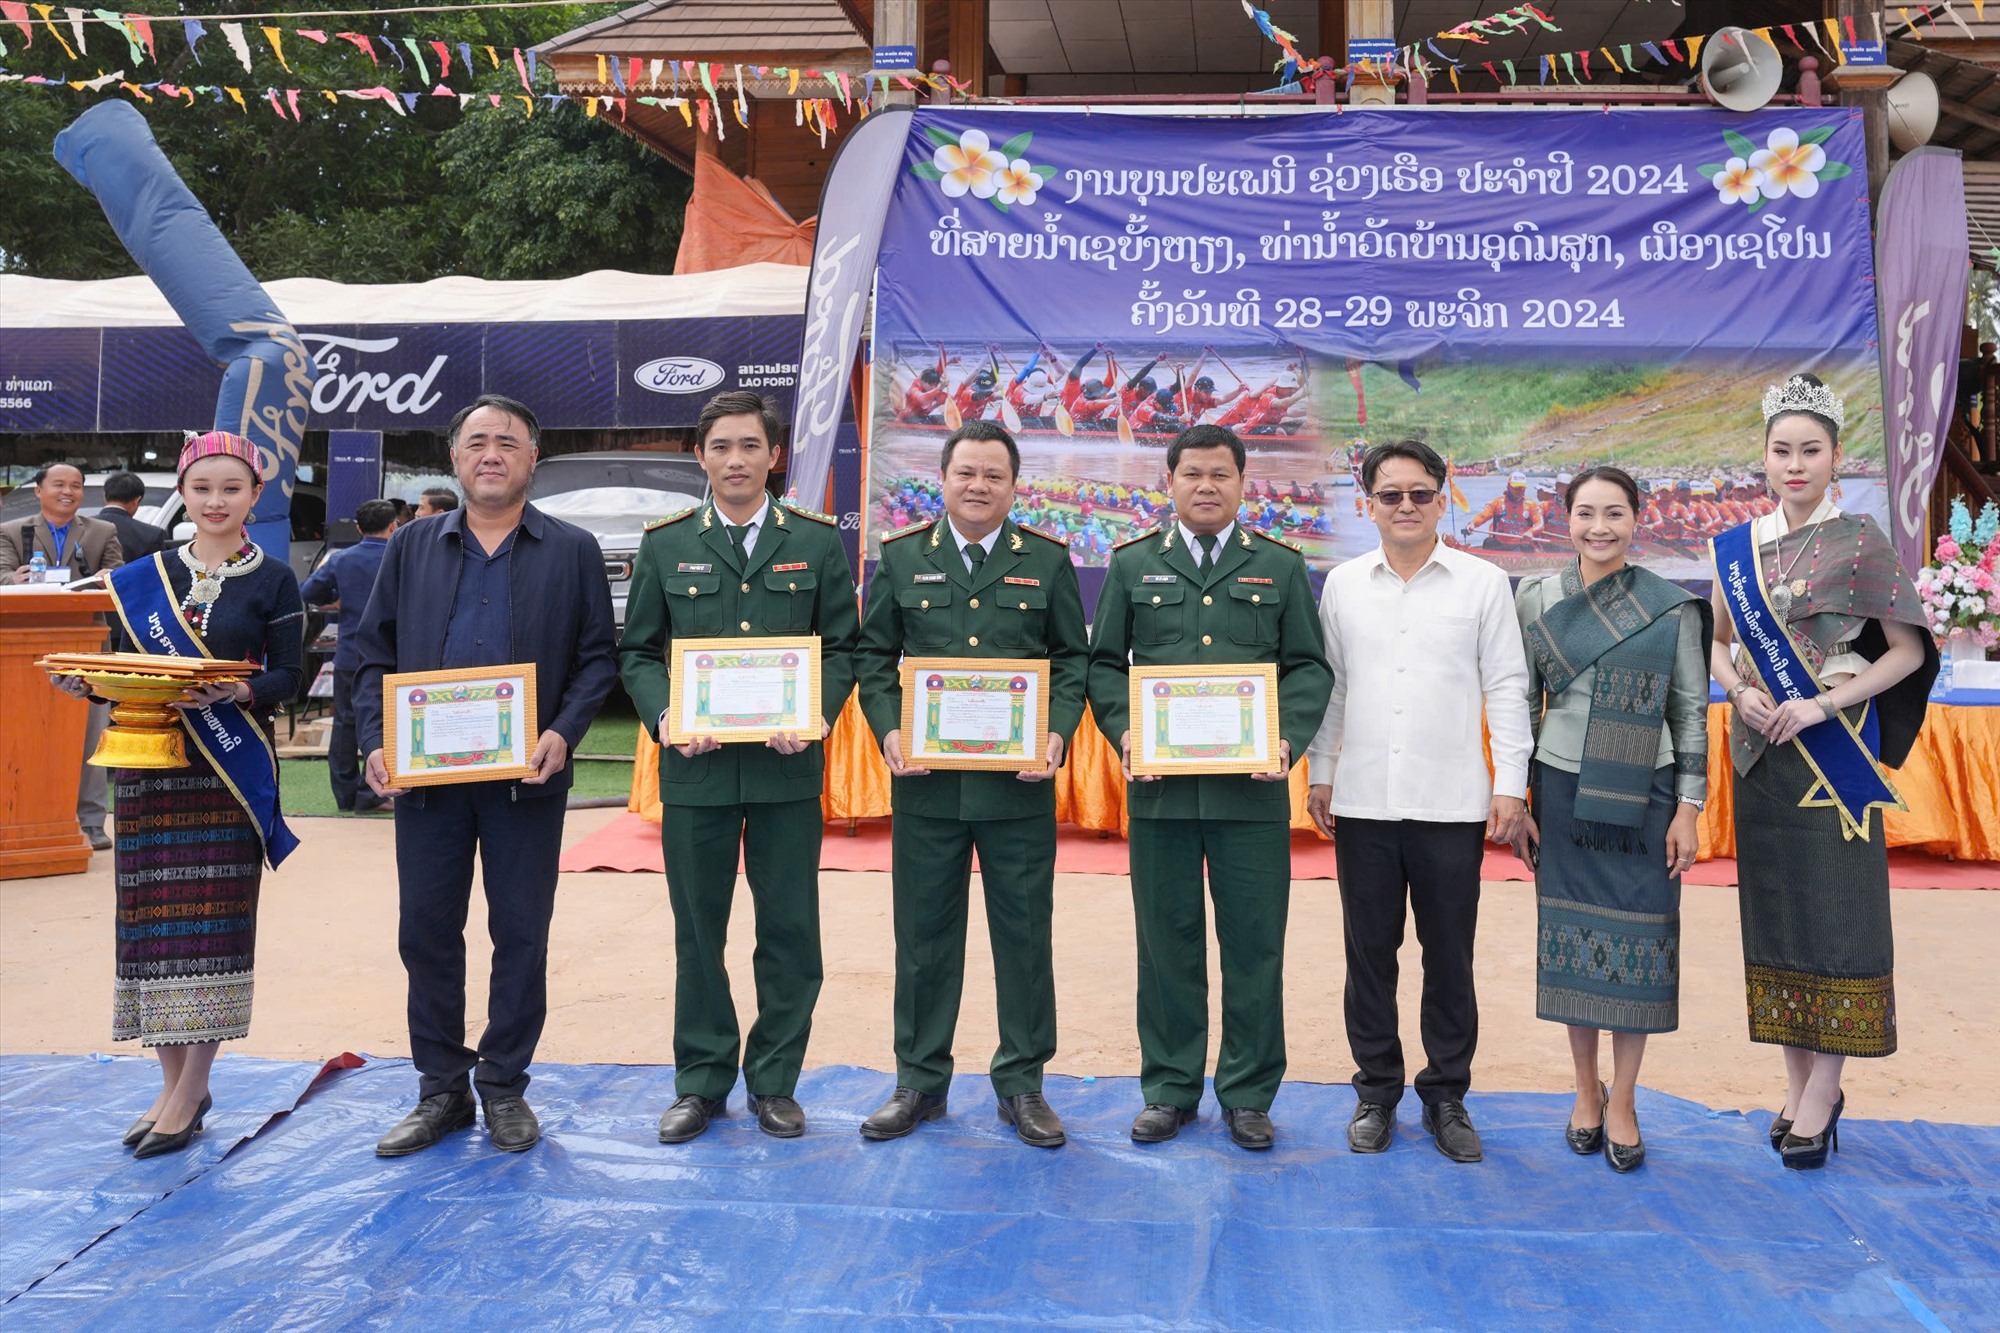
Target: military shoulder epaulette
x,y
670,518
1037,532
1280,541
1149,533
901,533
814,515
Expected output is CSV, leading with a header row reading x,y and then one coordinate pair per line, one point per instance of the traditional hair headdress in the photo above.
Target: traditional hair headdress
x,y
219,442
1799,394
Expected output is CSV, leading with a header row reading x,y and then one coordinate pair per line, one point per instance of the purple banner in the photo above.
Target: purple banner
x,y
1921,261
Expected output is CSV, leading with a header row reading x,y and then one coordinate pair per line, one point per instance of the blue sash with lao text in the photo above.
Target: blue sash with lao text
x,y
235,745
1840,752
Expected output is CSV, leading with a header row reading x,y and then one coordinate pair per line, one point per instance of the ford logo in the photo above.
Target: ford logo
x,y
678,374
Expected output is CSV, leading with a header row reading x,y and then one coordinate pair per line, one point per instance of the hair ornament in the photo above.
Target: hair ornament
x,y
1799,394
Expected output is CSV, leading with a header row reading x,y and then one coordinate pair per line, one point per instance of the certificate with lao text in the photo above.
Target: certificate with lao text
x,y
747,689
475,724
1204,719
968,712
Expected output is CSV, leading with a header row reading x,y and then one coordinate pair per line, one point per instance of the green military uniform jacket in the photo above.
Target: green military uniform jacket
x,y
1253,604
688,582
1024,602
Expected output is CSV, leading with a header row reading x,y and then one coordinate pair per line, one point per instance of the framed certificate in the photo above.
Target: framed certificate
x,y
975,712
474,724
1204,719
747,689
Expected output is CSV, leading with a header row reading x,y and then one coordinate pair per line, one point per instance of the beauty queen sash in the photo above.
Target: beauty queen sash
x,y
234,744
1841,754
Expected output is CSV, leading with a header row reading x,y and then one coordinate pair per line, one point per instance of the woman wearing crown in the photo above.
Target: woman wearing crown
x,y
191,842
1820,646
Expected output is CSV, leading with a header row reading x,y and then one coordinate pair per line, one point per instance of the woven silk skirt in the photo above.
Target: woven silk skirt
x,y
1818,954
1609,919
189,863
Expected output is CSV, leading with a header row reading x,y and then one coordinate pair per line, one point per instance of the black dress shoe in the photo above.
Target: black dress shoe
x,y
1371,1128
1589,1142
156,1144
1451,1127
1249,1127
1809,1154
510,1124
1160,1122
901,1113
687,1118
437,1115
1033,1119
141,1128
1624,1157
100,841
780,1117
1779,1128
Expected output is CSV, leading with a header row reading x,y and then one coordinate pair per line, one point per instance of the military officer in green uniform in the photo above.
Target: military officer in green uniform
x,y
1203,589
740,565
973,584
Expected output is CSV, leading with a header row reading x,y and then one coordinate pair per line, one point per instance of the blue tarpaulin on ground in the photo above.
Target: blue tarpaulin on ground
x,y
962,1225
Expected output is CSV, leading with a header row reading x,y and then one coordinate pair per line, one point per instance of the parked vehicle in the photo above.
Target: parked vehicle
x,y
614,496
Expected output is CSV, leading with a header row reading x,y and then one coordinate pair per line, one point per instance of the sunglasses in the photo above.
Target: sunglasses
x,y
1394,499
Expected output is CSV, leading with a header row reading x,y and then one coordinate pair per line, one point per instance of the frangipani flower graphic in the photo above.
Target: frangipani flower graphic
x,y
1788,165
969,166
1018,183
1738,182
967,163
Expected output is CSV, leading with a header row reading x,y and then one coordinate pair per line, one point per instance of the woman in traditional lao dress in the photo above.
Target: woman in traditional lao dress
x,y
192,842
1829,674
1618,690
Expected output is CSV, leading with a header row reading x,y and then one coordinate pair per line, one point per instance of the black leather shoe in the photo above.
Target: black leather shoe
x,y
1451,1127
1779,1128
510,1124
1809,1154
100,841
1249,1127
156,1144
141,1128
1624,1157
1589,1142
687,1118
780,1117
901,1113
1371,1128
1033,1119
437,1115
1160,1122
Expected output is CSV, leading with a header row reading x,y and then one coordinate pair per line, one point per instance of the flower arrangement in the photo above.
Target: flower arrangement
x,y
1962,590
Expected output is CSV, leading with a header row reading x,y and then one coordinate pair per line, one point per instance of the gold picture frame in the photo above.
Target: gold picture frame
x,y
797,709
1020,693
1246,743
412,704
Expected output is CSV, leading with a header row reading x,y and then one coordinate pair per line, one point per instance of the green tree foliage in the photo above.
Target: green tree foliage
x,y
352,191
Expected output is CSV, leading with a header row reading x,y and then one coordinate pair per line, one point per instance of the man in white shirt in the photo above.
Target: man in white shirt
x,y
1418,635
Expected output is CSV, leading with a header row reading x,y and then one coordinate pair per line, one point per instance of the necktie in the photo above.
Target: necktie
x,y
1215,550
975,556
740,538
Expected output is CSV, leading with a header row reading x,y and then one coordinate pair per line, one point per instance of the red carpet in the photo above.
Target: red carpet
x,y
630,843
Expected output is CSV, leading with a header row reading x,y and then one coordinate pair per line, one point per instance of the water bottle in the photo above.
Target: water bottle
x,y
38,568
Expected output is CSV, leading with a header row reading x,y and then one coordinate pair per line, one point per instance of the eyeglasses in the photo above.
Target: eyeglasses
x,y
1394,499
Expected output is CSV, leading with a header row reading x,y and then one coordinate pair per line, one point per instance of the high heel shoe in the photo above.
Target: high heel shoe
x,y
1809,1154
1588,1142
142,1127
1779,1128
1623,1157
155,1144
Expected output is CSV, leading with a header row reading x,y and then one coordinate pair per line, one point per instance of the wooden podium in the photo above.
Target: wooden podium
x,y
41,730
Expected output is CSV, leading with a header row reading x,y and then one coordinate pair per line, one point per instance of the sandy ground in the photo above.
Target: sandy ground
x,y
328,980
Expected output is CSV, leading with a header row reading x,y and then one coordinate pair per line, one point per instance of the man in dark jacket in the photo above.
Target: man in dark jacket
x,y
123,494
343,584
497,583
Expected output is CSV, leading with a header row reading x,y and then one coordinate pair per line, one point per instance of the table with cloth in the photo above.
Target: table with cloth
x,y
1951,782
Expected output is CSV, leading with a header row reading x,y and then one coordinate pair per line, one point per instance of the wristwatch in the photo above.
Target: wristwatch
x,y
1735,690
1697,803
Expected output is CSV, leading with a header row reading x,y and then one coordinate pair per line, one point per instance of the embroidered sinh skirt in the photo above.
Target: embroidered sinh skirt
x,y
1818,955
1609,920
189,863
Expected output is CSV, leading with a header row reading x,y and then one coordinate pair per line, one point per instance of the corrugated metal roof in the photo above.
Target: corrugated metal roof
x,y
687,29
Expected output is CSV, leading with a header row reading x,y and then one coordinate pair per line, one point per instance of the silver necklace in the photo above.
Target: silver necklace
x,y
1784,593
207,586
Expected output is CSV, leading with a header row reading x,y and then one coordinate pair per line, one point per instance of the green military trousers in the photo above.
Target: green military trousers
x,y
1250,877
779,841
933,875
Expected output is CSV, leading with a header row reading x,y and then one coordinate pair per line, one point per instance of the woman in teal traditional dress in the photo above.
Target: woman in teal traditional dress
x,y
1618,691
1830,672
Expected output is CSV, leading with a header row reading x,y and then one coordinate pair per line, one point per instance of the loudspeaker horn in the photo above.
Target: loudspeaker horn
x,y
1740,71
1913,110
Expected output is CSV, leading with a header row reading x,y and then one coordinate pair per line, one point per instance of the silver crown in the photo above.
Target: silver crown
x,y
1802,395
